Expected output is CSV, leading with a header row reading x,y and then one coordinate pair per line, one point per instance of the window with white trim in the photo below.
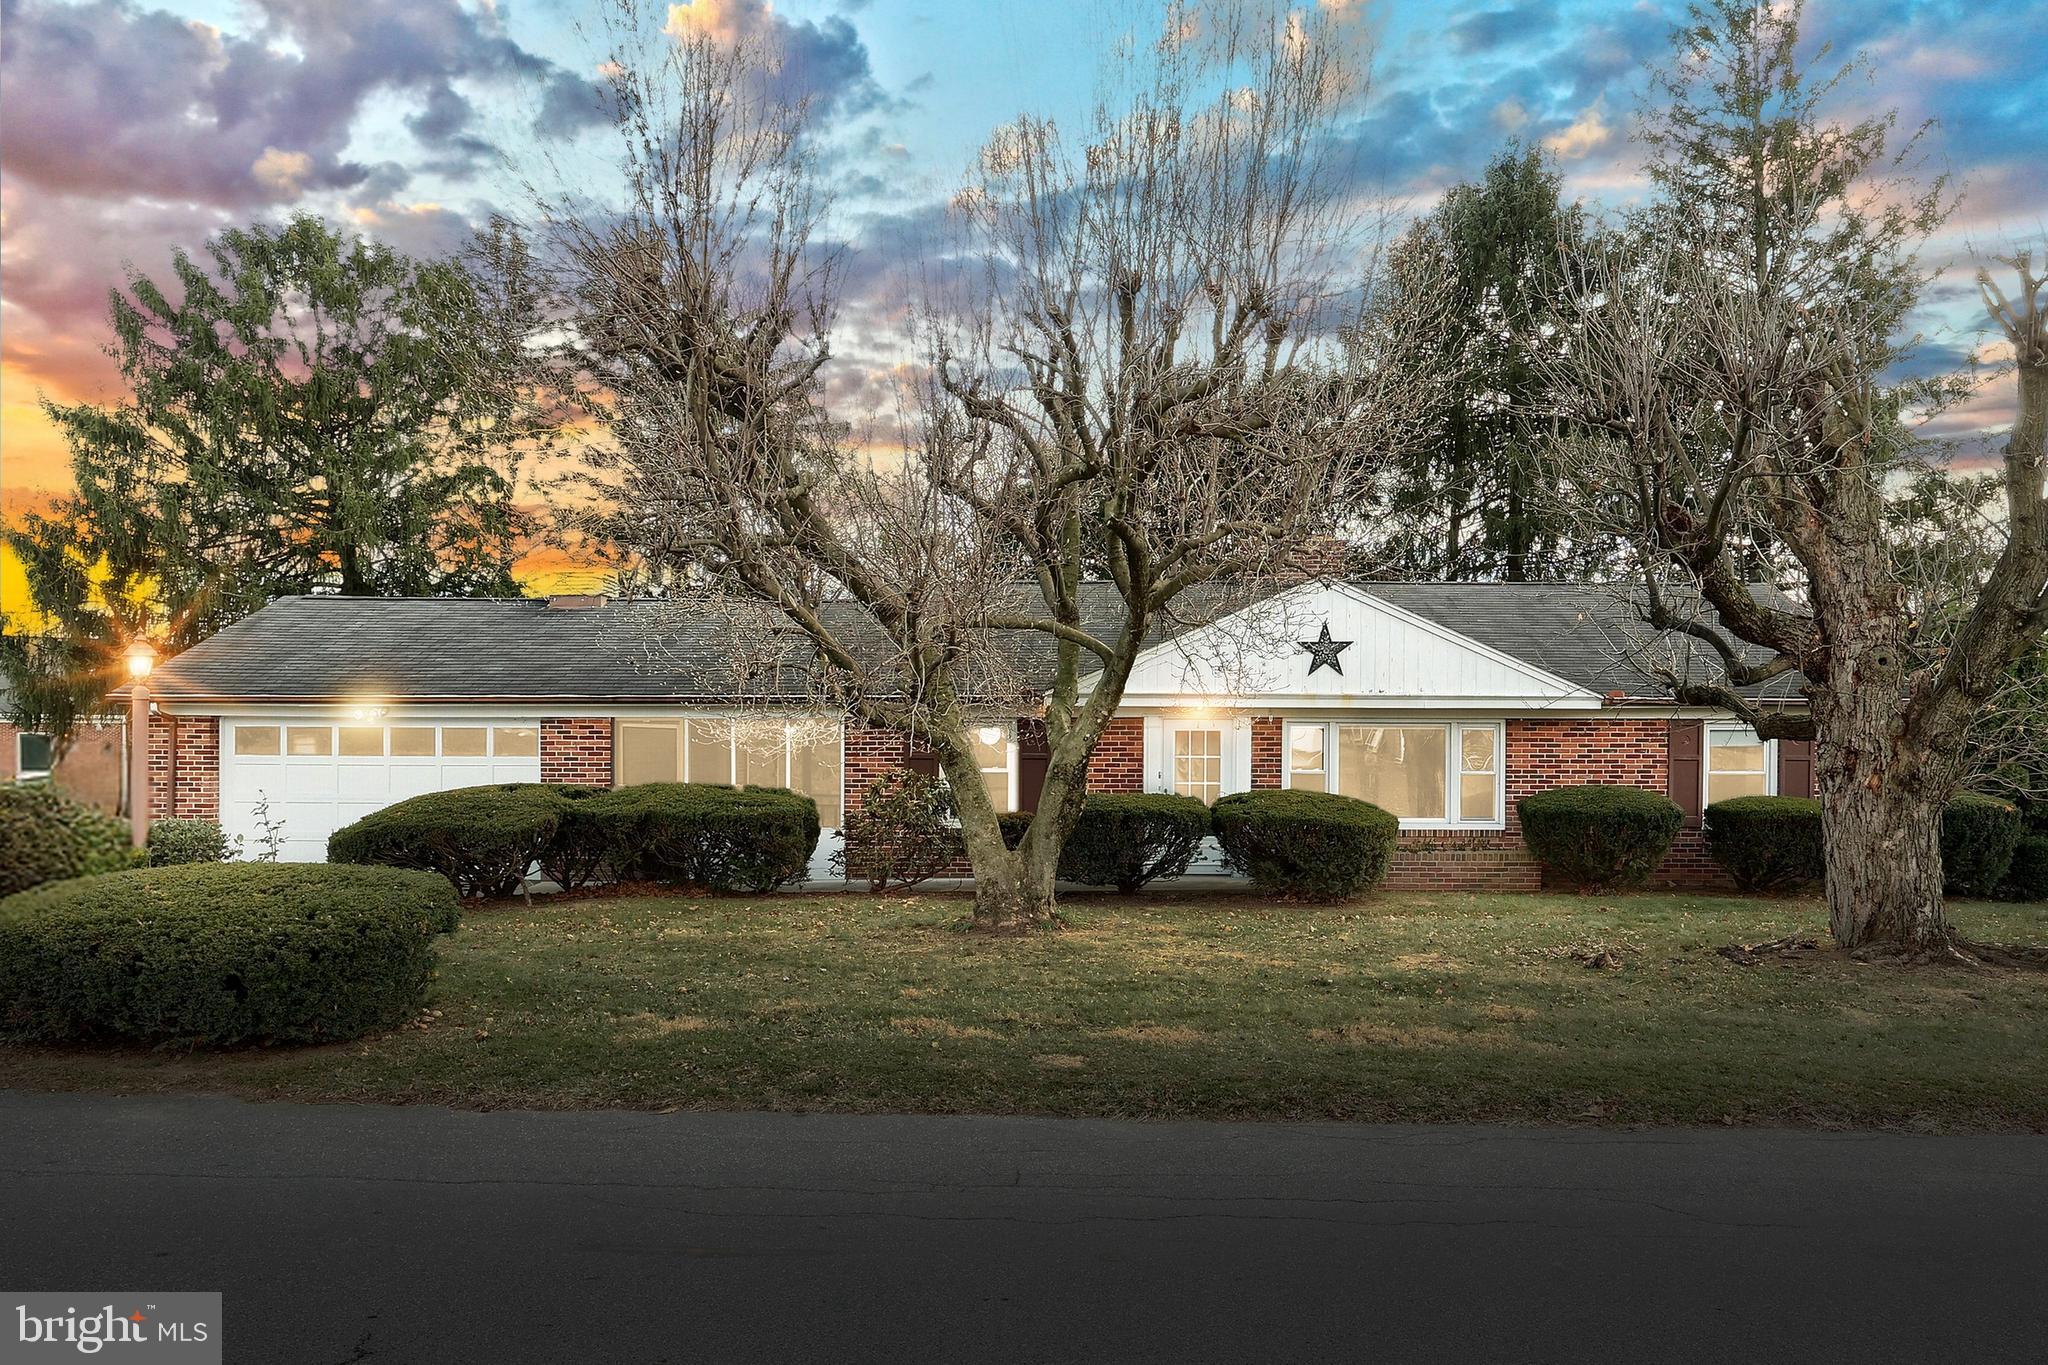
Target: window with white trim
x,y
802,754
1738,763
34,755
1429,774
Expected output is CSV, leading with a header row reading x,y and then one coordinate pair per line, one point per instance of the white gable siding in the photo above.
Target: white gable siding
x,y
1395,659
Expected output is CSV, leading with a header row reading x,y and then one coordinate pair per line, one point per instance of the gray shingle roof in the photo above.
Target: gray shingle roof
x,y
321,648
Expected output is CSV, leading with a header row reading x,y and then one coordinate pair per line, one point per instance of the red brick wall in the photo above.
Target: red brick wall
x,y
89,769
576,749
1269,758
1613,750
184,767
1433,860
871,752
1118,763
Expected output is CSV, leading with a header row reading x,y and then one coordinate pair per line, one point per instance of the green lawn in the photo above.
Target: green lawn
x,y
1397,1007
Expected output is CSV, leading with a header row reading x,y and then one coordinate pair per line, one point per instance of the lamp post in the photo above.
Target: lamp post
x,y
141,657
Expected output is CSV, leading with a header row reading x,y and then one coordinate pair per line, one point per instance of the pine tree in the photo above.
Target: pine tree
x,y
305,412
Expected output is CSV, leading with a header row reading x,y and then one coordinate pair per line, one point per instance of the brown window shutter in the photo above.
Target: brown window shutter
x,y
1795,767
1688,738
1034,756
922,761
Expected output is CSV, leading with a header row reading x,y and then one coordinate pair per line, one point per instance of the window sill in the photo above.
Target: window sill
x,y
1453,827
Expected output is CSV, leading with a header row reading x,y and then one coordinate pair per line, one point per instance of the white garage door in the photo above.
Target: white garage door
x,y
299,779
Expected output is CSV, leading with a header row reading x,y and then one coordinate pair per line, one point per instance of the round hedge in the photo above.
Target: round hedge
x,y
1125,839
1767,843
483,839
1314,845
697,834
45,836
1979,835
220,953
1599,836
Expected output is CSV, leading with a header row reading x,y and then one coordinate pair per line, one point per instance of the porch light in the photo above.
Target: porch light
x,y
990,734
141,657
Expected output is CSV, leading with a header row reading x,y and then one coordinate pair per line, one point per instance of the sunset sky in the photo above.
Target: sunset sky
x,y
131,126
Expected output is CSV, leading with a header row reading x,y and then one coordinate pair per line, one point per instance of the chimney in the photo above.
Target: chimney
x,y
577,601
1323,557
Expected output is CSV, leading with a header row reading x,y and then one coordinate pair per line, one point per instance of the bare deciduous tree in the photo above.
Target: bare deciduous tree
x,y
1731,350
1159,376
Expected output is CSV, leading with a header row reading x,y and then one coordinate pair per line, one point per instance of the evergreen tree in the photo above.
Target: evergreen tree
x,y
1468,503
306,412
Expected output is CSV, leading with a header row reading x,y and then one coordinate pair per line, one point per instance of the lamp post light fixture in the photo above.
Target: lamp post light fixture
x,y
141,657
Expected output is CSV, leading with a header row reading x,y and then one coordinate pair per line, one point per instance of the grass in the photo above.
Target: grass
x,y
1406,1007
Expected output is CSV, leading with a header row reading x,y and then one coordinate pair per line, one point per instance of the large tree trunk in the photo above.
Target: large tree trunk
x,y
1883,863
1013,894
1881,792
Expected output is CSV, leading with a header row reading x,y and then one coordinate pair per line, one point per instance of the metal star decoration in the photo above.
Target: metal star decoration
x,y
1323,651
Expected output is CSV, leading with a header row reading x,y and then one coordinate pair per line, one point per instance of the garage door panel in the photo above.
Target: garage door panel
x,y
312,795
311,781
411,781
358,782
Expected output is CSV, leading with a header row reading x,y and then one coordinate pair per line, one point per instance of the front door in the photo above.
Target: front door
x,y
1198,759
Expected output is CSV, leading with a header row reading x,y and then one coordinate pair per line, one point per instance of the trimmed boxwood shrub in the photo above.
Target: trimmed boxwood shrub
x,y
1125,840
2026,879
698,834
45,836
1315,845
175,841
221,953
1978,837
1599,836
1767,843
483,839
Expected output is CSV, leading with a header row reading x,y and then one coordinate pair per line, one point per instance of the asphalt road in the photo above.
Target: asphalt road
x,y
343,1234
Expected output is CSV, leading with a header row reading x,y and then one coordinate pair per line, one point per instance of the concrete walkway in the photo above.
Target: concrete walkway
x,y
426,1235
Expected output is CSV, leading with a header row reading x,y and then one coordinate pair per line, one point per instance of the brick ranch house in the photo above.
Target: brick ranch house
x,y
1443,703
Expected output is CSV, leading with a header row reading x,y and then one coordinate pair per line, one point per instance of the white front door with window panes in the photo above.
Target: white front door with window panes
x,y
1202,757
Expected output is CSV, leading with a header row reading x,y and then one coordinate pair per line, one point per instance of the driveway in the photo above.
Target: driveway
x,y
346,1234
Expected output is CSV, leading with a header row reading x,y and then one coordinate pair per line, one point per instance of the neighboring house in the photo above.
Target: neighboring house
x,y
1443,703
91,768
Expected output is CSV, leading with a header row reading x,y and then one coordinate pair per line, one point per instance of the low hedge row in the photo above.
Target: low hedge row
x,y
486,839
1979,836
220,953
1773,843
2026,879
